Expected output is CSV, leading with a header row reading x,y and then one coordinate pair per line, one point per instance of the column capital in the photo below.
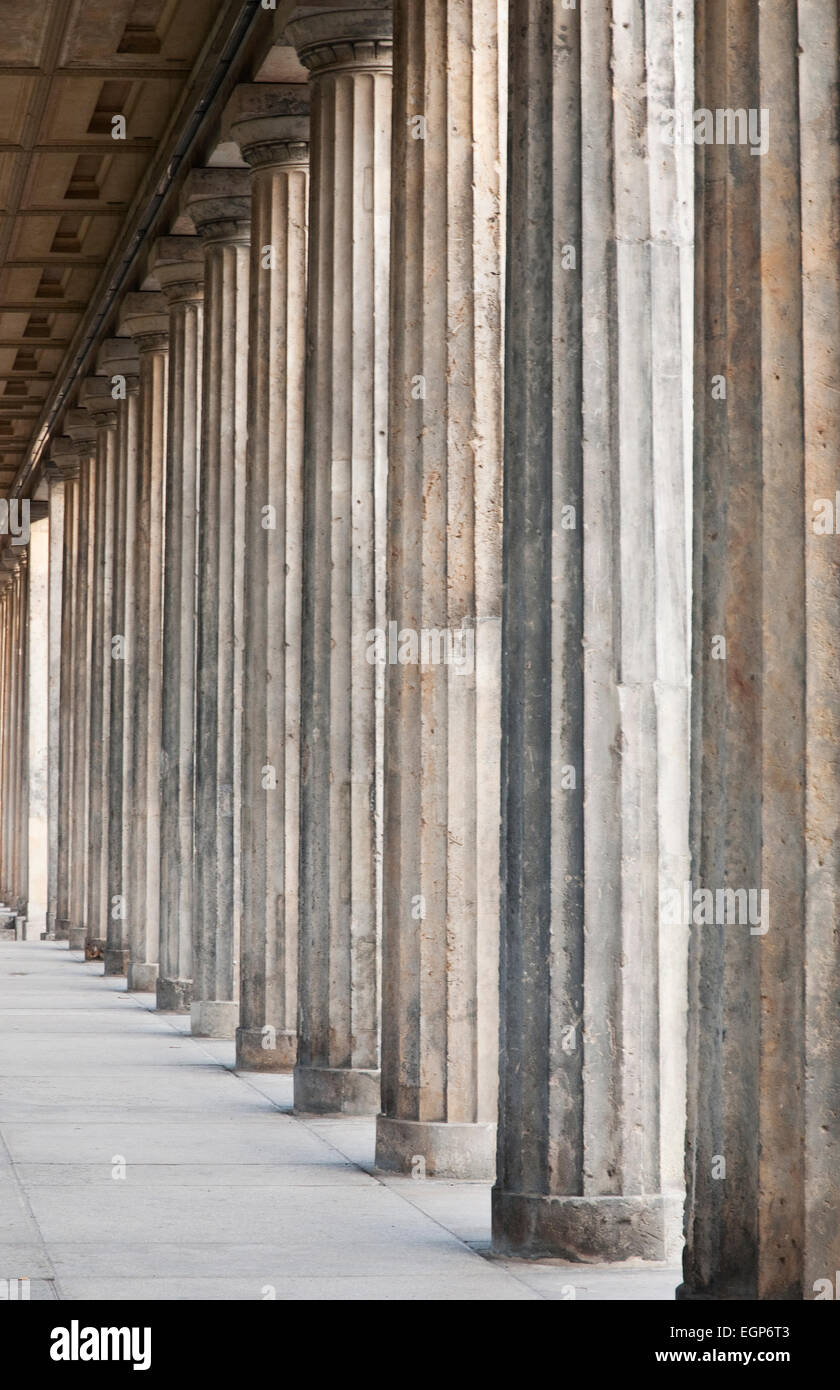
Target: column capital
x,y
144,316
81,429
95,397
177,264
118,357
269,122
10,562
352,38
218,202
65,455
51,472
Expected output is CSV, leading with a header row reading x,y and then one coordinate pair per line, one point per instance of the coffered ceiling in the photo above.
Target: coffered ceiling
x,y
67,68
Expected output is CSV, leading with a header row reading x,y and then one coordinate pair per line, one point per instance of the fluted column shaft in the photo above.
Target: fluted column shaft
x,y
36,665
66,457
81,429
5,625
220,208
441,812
763,1134
117,361
278,149
97,400
55,579
178,265
22,804
11,569
594,662
348,55
17,817
144,318
7,751
11,751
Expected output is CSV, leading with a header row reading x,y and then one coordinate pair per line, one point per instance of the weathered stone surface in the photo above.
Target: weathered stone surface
x,y
764,1045
117,361
348,54
177,264
35,732
441,811
95,397
144,317
57,491
277,145
66,458
594,692
82,430
218,203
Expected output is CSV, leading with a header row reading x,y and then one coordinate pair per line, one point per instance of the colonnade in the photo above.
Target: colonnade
x,y
370,551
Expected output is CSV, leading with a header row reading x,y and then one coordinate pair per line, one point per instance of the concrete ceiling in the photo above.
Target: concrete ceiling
x,y
67,67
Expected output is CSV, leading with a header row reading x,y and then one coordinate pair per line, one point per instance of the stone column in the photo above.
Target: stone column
x,y
178,266
348,54
594,647
144,317
118,363
8,564
9,570
763,1151
273,133
66,457
7,752
82,431
95,396
36,665
57,488
218,202
441,821
5,622
22,743
15,561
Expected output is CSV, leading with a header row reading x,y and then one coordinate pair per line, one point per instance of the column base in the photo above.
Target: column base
x,y
76,938
214,1018
141,976
116,960
62,929
534,1226
94,948
253,1054
726,1294
336,1091
173,996
20,927
460,1152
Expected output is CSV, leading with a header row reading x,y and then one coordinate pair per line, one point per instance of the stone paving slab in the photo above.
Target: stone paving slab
x,y
227,1195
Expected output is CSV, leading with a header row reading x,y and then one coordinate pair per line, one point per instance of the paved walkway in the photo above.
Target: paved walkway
x,y
226,1194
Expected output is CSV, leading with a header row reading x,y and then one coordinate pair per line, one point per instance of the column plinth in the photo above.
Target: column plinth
x,y
448,1149
348,55
336,1090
